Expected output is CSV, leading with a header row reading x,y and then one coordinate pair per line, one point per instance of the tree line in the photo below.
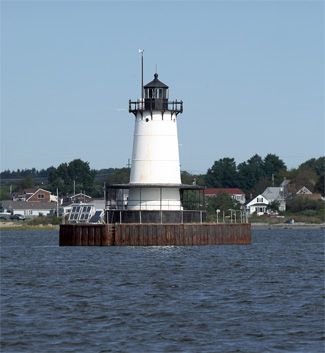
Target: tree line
x,y
255,174
252,176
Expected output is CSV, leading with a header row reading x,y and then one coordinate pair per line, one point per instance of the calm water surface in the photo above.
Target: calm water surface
x,y
264,297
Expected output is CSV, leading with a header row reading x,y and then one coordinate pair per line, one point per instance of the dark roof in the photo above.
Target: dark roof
x,y
155,83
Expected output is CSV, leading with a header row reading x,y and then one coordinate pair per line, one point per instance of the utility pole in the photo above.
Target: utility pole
x,y
129,163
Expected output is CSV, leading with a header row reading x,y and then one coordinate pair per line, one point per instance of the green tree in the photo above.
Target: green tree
x,y
317,165
118,176
4,193
311,174
273,166
251,172
80,173
27,182
306,176
260,186
69,175
221,202
187,178
301,203
223,173
274,206
320,185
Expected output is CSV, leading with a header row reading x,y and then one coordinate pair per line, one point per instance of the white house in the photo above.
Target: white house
x,y
29,209
259,205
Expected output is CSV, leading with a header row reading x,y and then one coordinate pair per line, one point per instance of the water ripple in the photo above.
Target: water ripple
x,y
266,297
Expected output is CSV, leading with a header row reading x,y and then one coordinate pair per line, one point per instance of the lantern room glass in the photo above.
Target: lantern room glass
x,y
156,93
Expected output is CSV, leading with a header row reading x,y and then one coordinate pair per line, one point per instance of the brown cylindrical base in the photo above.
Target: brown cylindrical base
x,y
154,234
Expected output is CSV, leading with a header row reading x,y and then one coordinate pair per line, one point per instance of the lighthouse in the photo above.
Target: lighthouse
x,y
155,157
155,192
154,207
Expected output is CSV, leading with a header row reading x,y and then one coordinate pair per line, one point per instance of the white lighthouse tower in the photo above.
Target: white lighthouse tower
x,y
155,193
155,172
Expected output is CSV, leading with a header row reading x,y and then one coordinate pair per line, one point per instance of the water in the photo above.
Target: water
x,y
264,297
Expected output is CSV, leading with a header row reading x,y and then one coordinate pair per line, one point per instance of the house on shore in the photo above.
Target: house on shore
x,y
31,203
275,194
260,204
235,193
307,194
29,209
34,195
77,198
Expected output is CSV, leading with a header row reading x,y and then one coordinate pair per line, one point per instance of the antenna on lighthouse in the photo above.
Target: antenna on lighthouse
x,y
141,52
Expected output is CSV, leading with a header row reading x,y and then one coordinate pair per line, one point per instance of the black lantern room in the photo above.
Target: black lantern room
x,y
155,95
155,99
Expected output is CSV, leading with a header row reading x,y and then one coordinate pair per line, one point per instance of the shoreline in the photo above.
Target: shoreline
x,y
254,226
298,225
23,226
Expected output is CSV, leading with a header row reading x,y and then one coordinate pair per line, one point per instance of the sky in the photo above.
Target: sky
x,y
250,73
